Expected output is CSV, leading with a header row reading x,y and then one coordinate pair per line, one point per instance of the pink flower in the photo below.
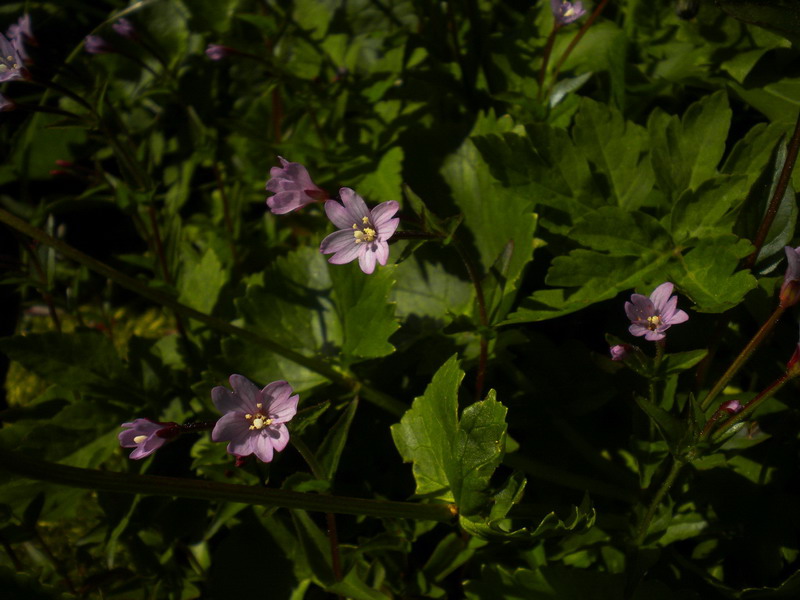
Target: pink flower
x,y
94,44
218,52
292,187
21,33
652,316
619,352
790,289
362,234
731,407
253,420
12,65
146,436
566,12
125,28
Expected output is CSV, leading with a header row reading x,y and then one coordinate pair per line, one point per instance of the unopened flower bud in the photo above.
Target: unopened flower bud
x,y
731,407
790,290
620,351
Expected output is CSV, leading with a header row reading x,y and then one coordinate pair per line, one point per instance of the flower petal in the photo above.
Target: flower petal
x,y
247,391
366,260
381,252
231,426
282,411
338,241
262,447
383,212
279,436
355,205
387,229
338,214
242,446
660,296
225,400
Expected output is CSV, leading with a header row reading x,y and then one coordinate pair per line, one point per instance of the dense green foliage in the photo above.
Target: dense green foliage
x,y
545,173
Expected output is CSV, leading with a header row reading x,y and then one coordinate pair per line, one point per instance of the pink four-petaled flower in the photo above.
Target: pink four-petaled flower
x,y
566,12
652,316
363,233
254,421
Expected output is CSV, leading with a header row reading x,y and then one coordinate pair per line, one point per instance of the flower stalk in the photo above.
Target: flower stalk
x,y
743,357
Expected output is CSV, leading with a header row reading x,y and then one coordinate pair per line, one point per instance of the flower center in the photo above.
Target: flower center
x,y
364,233
139,439
8,62
653,322
258,420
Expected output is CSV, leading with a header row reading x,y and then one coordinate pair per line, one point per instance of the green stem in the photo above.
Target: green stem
x,y
656,502
130,483
744,355
375,396
584,28
548,50
777,196
751,406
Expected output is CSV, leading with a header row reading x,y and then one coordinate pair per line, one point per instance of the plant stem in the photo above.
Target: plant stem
x,y
548,50
130,483
226,214
656,502
484,320
316,469
581,32
377,397
750,406
744,355
777,196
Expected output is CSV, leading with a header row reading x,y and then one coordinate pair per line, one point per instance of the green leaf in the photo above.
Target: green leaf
x,y
621,233
201,279
618,149
780,16
366,315
707,273
82,360
670,427
428,289
330,450
493,213
385,183
453,460
681,361
708,210
685,152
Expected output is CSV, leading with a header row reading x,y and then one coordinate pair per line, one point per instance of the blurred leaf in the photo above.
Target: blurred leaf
x,y
201,280
707,211
330,450
384,184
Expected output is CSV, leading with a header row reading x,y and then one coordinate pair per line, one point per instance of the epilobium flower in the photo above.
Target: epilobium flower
x,y
146,436
21,33
11,64
125,28
94,44
619,352
790,290
362,234
567,12
652,316
292,187
731,407
254,421
218,52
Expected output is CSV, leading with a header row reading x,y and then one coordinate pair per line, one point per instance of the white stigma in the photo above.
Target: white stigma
x,y
139,439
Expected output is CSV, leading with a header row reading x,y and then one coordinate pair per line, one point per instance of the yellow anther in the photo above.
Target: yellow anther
x,y
139,439
248,416
654,322
365,220
259,405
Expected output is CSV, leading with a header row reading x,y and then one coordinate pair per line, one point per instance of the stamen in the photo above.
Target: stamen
x,y
139,439
365,220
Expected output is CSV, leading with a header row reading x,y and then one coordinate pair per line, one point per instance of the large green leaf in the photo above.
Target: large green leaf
x,y
493,213
619,151
685,152
452,459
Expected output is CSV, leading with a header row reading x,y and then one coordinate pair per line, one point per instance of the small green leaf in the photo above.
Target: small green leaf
x,y
330,450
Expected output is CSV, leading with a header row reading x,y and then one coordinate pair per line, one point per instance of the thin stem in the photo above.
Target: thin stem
x,y
226,213
656,502
159,246
130,483
752,405
46,296
581,32
484,319
316,469
377,397
777,196
548,50
744,355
